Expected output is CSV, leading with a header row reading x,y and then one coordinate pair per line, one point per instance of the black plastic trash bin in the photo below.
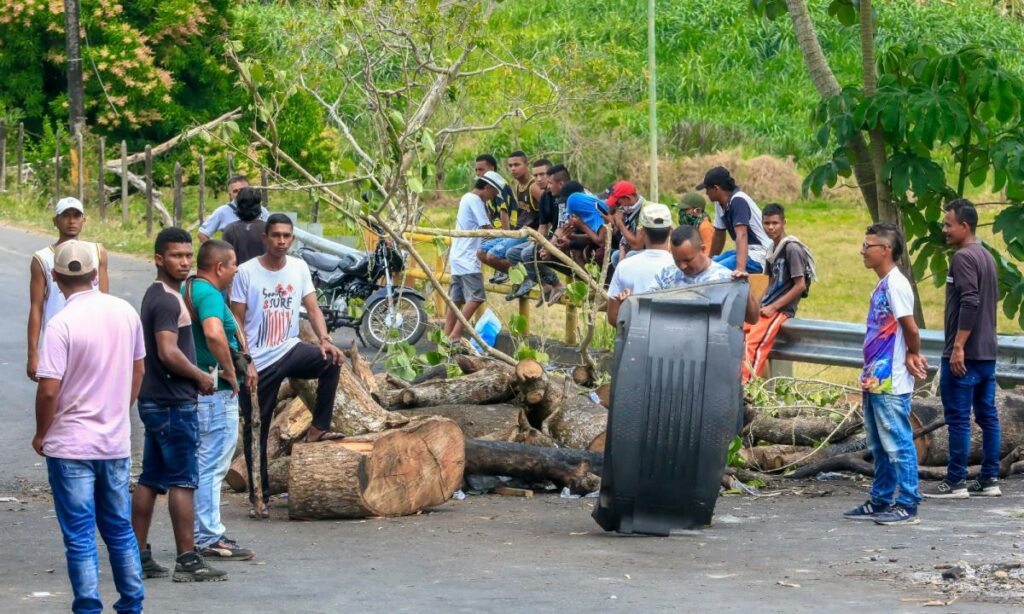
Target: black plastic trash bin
x,y
676,406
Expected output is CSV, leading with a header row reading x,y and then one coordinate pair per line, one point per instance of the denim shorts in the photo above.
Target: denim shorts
x,y
169,452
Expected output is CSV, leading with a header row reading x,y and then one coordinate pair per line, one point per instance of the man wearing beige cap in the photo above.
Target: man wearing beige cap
x,y
45,298
636,275
90,369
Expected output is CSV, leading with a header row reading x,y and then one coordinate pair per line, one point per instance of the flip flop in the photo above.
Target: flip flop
x,y
327,436
555,295
265,512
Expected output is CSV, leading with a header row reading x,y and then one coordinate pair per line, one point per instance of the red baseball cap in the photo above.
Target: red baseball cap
x,y
620,189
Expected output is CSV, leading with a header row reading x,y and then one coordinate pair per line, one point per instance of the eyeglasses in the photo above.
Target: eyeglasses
x,y
866,246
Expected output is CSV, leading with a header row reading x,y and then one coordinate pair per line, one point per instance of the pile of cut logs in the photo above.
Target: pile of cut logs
x,y
410,444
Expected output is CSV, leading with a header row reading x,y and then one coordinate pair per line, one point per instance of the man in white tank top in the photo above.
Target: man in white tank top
x,y
45,298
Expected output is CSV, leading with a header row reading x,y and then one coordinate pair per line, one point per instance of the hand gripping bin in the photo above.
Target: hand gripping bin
x,y
676,406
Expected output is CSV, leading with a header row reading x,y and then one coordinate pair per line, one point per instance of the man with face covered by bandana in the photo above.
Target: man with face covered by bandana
x,y
691,213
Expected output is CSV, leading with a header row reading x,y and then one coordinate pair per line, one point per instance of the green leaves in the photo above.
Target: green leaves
x,y
577,292
846,11
906,172
399,360
525,352
517,274
518,325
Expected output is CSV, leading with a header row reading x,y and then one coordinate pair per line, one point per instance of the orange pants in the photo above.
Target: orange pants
x,y
760,338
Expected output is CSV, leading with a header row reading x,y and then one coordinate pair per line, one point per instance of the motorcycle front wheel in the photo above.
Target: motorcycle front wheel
x,y
404,321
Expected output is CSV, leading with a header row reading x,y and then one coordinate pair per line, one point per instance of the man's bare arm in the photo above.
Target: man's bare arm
x,y
36,294
104,278
717,242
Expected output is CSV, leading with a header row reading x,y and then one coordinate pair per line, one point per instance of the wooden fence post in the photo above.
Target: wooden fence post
x,y
101,185
3,156
570,325
78,165
231,164
149,191
56,167
177,194
202,188
265,181
524,311
21,154
124,183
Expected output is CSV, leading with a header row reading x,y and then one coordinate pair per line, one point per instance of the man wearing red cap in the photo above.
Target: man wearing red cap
x,y
625,205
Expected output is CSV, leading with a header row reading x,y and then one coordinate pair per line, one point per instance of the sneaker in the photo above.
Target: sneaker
x,y
226,549
499,278
867,511
946,490
984,487
150,568
190,567
523,289
897,514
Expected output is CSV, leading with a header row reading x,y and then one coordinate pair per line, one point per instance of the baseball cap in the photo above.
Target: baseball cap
x,y
74,258
718,175
69,202
656,215
620,189
692,200
495,180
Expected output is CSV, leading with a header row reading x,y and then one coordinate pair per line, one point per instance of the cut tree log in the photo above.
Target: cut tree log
x,y
531,381
565,412
394,473
355,411
430,374
604,393
583,376
294,420
286,391
492,385
777,456
474,420
531,463
277,472
471,364
804,431
934,449
362,370
237,477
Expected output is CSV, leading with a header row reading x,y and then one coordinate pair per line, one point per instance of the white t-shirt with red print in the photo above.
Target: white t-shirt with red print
x,y
273,301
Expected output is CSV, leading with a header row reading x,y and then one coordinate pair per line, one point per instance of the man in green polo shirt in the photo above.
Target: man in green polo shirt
x,y
215,338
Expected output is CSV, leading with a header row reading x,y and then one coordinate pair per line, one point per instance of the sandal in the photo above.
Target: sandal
x,y
263,513
555,295
326,436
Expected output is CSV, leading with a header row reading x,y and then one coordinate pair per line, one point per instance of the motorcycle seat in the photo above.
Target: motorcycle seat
x,y
325,262
358,268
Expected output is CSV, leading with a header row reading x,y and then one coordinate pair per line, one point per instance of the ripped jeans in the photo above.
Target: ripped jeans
x,y
891,441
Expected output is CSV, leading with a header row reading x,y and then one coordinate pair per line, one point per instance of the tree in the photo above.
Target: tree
x,y
920,115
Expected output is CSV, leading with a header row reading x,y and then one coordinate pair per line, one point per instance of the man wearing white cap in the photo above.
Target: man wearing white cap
x,y
45,298
90,370
467,289
637,274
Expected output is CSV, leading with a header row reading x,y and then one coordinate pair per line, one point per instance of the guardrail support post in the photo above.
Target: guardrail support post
x,y
570,325
524,311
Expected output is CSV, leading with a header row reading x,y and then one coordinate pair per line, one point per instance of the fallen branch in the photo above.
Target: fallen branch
x,y
115,164
140,184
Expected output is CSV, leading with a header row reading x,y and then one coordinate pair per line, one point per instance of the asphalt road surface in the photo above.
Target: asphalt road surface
x,y
789,552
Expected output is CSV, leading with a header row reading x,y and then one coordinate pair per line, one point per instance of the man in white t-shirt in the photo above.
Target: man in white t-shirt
x,y
266,297
892,359
467,288
693,267
737,214
636,275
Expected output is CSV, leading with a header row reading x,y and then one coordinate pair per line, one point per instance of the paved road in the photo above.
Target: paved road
x,y
495,554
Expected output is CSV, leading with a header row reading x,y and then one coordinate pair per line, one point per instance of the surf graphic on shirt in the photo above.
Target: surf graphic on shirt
x,y
278,311
879,342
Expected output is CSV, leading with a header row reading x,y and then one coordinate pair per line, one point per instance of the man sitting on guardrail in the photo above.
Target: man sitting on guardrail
x,y
737,214
892,359
467,287
968,376
693,267
791,270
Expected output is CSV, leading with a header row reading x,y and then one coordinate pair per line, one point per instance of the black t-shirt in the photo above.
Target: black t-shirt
x,y
247,239
164,310
547,212
971,295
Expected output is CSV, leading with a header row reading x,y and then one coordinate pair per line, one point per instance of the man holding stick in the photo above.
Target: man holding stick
x,y
266,297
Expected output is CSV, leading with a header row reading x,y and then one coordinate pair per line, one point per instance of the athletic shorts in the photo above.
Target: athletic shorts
x,y
468,288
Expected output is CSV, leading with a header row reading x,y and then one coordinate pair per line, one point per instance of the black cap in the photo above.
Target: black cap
x,y
719,176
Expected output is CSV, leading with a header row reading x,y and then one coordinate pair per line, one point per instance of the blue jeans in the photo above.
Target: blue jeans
x,y
978,388
499,247
218,434
891,441
170,446
91,494
728,260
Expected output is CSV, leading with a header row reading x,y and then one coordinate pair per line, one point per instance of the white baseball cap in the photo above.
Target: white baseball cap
x,y
495,180
69,202
656,215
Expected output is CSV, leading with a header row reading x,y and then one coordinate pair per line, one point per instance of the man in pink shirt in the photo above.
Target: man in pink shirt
x,y
90,370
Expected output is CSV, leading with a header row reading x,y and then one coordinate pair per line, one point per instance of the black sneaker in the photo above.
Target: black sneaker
x,y
523,289
190,567
150,568
867,511
898,514
984,487
499,278
946,490
226,549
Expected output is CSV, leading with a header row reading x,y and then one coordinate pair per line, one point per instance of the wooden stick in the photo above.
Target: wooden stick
x,y
149,191
21,154
202,188
124,183
177,194
167,145
79,164
3,156
257,455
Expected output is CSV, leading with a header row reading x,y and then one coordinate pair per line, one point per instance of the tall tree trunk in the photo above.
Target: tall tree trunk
x,y
827,85
73,51
887,209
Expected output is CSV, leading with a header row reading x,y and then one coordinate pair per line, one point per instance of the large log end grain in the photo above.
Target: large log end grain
x,y
237,477
393,473
531,381
294,421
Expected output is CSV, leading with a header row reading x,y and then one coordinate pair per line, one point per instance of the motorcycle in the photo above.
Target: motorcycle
x,y
388,313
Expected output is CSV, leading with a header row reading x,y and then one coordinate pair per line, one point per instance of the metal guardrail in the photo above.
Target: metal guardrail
x,y
841,344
